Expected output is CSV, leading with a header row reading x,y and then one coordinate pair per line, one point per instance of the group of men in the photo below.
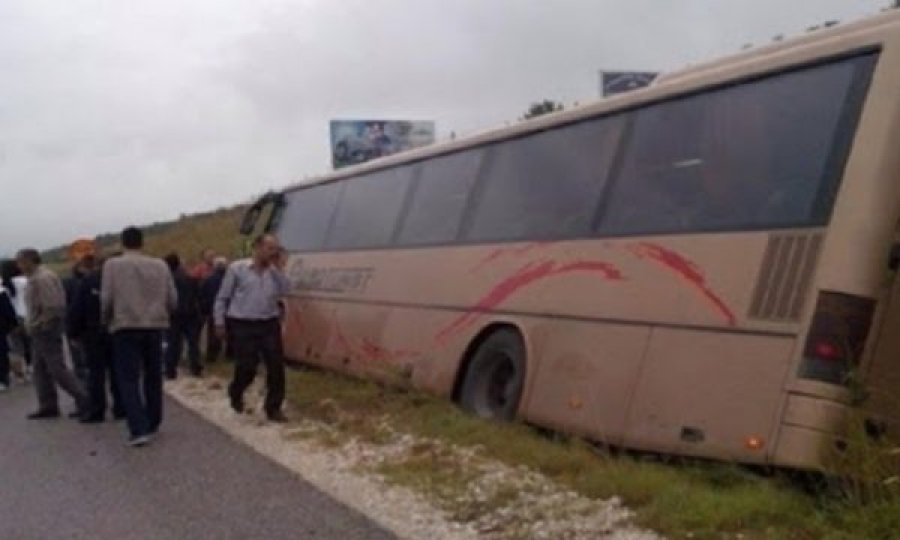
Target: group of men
x,y
124,310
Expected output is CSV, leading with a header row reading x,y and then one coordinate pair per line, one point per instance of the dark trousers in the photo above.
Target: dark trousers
x,y
79,360
4,360
251,342
213,343
138,355
182,331
98,352
24,342
50,370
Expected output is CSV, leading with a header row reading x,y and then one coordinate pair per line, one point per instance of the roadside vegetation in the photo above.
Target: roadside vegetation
x,y
677,498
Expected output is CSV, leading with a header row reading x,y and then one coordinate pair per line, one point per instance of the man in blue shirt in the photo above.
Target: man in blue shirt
x,y
248,305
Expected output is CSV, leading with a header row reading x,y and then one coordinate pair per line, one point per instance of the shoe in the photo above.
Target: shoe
x,y
119,415
39,415
237,403
4,387
140,440
171,376
278,417
197,373
74,414
91,419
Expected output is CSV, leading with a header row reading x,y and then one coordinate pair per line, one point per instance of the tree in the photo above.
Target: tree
x,y
543,107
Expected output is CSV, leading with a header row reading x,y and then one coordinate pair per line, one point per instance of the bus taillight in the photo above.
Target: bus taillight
x,y
826,350
836,337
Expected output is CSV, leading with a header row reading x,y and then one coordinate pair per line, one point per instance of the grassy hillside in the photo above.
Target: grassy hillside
x,y
186,236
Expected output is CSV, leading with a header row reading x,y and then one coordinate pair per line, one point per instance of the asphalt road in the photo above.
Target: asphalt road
x,y
63,480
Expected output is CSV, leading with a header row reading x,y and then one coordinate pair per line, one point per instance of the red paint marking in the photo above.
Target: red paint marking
x,y
491,257
498,253
686,269
367,350
342,339
526,276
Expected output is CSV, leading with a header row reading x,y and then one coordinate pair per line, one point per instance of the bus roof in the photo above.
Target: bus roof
x,y
814,44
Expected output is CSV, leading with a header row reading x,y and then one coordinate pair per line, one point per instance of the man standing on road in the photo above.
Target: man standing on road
x,y
249,302
46,304
137,295
85,326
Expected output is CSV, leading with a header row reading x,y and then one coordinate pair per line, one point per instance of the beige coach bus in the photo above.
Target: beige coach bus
x,y
702,267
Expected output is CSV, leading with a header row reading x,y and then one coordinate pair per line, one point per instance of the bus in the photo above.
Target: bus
x,y
702,267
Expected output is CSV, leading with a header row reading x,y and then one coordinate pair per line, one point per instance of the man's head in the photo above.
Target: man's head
x,y
132,238
220,263
173,261
266,249
90,263
28,260
85,265
208,255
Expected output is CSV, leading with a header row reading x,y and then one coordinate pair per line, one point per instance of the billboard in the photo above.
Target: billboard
x,y
358,141
617,82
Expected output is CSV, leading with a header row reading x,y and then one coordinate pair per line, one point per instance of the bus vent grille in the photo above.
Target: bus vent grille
x,y
784,279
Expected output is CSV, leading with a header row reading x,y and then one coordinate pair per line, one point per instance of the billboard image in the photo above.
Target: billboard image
x,y
358,141
617,82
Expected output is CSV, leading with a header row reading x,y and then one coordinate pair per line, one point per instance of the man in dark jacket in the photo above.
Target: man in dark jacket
x,y
209,288
71,285
85,327
185,321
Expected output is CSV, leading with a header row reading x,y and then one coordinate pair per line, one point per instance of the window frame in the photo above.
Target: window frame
x,y
835,162
842,148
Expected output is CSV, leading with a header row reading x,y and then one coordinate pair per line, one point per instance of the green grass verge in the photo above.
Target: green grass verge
x,y
696,500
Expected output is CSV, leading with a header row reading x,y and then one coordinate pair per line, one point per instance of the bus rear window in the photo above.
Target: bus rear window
x,y
758,155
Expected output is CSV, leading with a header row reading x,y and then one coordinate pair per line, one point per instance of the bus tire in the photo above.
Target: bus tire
x,y
495,377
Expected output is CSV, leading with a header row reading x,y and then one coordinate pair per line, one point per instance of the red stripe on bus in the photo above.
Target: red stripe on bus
x,y
686,269
527,275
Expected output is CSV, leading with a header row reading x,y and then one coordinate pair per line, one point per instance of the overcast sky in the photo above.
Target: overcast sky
x,y
114,113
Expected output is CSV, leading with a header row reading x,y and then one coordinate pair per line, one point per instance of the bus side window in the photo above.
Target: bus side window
x,y
750,156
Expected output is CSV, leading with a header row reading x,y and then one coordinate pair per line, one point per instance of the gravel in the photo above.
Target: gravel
x,y
501,501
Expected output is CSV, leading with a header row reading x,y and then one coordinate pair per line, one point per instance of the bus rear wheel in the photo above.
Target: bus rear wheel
x,y
495,377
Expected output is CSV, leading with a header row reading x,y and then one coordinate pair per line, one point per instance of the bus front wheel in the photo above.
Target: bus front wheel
x,y
495,377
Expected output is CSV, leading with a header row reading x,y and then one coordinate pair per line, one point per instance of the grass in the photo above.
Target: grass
x,y
681,500
186,236
696,500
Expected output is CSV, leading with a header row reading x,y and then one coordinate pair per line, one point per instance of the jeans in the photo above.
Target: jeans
x,y
138,355
180,332
253,341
